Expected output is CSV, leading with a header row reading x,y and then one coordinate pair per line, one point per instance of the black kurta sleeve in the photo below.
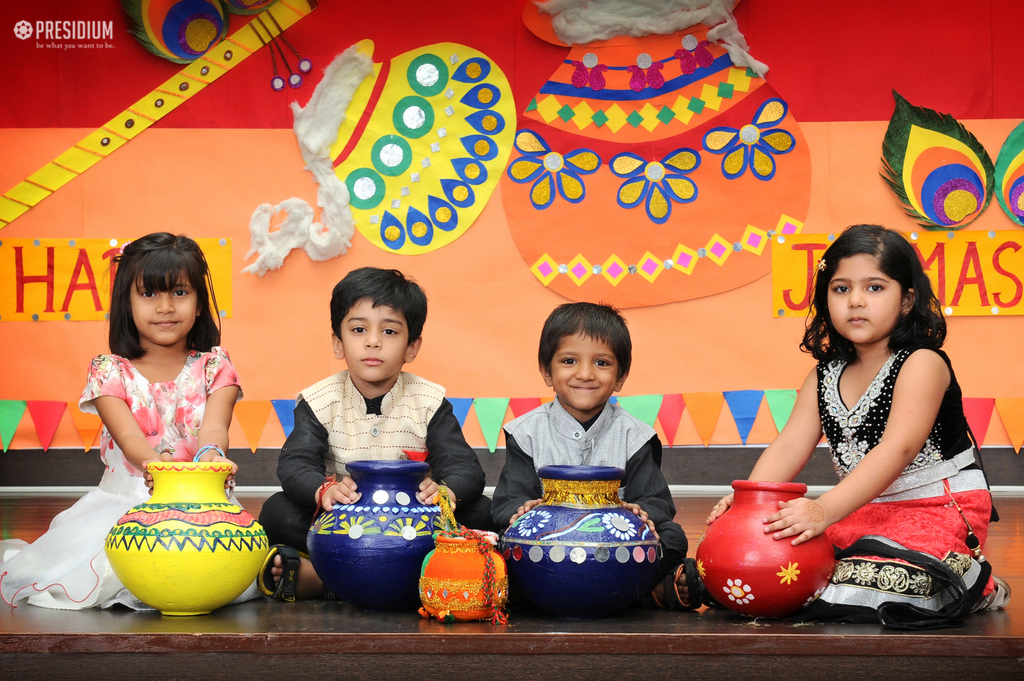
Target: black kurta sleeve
x,y
453,462
518,484
301,466
645,485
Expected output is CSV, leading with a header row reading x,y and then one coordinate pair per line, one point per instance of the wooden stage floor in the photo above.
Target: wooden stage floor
x,y
264,639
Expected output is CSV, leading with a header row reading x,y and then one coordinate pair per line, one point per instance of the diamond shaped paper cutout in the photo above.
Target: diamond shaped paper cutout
x,y
739,79
725,90
649,267
696,105
788,225
580,270
650,115
566,113
709,93
718,249
666,115
532,106
754,240
583,115
635,119
616,117
545,269
548,108
685,259
614,270
599,118
682,109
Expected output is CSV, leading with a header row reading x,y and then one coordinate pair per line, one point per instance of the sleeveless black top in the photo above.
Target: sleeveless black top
x,y
853,432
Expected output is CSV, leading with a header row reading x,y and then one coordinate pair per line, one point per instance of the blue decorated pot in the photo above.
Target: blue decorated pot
x,y
369,553
580,554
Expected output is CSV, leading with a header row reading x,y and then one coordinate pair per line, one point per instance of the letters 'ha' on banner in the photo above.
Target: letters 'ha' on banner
x,y
69,279
974,273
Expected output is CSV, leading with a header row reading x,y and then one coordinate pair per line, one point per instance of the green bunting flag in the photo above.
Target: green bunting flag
x,y
780,404
643,407
490,412
11,412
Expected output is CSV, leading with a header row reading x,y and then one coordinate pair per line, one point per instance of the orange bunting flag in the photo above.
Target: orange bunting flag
x,y
87,425
672,406
46,417
1011,411
252,416
704,409
978,411
522,405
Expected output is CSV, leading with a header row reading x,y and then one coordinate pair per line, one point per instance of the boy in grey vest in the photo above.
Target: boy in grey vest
x,y
585,354
372,411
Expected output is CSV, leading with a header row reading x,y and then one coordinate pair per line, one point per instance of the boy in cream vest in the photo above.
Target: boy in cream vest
x,y
372,411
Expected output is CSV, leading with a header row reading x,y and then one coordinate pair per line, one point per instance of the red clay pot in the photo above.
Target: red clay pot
x,y
753,574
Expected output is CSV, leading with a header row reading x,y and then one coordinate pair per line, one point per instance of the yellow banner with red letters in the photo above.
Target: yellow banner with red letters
x,y
973,273
69,279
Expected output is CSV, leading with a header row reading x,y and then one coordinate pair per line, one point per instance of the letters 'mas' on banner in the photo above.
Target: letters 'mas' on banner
x,y
69,279
974,273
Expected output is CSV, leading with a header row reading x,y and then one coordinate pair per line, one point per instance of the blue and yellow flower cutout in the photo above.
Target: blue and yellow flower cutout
x,y
656,183
551,171
755,145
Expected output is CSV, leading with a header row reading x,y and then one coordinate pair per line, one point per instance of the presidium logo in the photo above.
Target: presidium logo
x,y
66,31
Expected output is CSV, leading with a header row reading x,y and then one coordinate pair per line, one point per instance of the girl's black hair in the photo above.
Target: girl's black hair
x,y
157,262
922,327
597,321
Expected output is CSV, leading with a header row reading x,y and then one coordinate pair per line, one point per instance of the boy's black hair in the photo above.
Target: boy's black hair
x,y
157,263
390,288
922,327
598,321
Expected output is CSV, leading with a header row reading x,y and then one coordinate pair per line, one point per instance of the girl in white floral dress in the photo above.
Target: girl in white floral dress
x,y
165,389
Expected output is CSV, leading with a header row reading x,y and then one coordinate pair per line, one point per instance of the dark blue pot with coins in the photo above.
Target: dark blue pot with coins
x,y
370,553
579,553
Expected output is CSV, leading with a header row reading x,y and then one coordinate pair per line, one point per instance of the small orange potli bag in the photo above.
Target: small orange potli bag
x,y
463,578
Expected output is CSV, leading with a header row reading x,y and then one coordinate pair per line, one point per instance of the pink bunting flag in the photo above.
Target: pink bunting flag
x,y
978,411
46,416
672,406
523,405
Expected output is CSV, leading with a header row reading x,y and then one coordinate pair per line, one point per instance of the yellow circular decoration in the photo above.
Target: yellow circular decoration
x,y
959,204
443,214
460,193
199,34
472,171
481,147
489,123
419,230
485,96
392,233
473,71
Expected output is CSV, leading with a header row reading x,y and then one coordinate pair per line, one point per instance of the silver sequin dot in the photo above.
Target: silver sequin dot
x,y
556,554
414,118
355,532
536,554
831,237
380,497
578,554
402,499
364,188
702,252
391,155
562,269
749,134
950,235
737,247
995,310
948,310
597,269
590,60
631,269
622,554
553,162
781,239
644,61
991,234
913,235
771,233
668,264
427,75
782,313
690,42
601,554
654,172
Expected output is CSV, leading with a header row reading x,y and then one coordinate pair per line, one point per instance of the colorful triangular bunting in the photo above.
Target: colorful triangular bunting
x,y
780,404
46,417
461,405
978,411
252,416
1011,411
744,405
671,411
523,405
11,412
285,410
490,412
704,409
87,425
643,407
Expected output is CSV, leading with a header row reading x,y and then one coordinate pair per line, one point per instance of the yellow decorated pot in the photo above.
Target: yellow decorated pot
x,y
188,550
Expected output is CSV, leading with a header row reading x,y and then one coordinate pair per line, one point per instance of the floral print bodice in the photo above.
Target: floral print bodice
x,y
854,432
170,413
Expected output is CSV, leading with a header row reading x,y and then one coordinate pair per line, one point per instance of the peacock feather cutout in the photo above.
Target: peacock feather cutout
x,y
938,170
177,30
1010,175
